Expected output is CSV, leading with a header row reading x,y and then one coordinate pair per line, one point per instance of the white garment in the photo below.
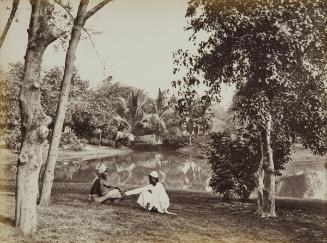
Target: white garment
x,y
155,196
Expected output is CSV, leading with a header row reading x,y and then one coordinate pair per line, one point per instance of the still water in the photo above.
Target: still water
x,y
176,171
180,171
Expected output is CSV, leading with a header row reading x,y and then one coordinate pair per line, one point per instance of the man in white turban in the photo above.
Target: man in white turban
x,y
101,189
152,197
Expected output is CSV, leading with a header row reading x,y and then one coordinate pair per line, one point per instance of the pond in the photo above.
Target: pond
x,y
179,171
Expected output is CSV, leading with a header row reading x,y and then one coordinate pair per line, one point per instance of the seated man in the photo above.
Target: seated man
x,y
101,190
152,197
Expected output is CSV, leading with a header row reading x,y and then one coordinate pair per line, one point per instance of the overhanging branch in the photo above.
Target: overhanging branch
x,y
84,29
96,8
9,21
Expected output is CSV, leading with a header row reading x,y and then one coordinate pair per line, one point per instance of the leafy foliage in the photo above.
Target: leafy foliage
x,y
275,54
234,156
174,142
49,97
70,141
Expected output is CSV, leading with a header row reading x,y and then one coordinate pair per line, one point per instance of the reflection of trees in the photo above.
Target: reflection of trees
x,y
175,170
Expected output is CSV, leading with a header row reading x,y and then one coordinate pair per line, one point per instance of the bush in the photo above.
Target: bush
x,y
107,142
202,143
234,157
174,142
71,141
124,138
84,140
234,160
94,141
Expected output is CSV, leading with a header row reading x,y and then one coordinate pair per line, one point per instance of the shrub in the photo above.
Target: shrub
x,y
94,141
234,159
124,138
71,141
174,142
107,142
202,143
84,140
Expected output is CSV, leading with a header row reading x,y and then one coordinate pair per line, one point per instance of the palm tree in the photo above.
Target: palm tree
x,y
132,108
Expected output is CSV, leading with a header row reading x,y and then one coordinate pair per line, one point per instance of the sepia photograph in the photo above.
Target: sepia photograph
x,y
163,121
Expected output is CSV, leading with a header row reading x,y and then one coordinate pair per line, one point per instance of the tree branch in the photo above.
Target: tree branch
x,y
84,29
9,21
96,8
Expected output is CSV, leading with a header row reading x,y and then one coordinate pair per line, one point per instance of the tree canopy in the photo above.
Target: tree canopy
x,y
274,52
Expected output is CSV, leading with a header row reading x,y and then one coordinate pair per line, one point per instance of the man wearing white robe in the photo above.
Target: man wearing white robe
x,y
152,197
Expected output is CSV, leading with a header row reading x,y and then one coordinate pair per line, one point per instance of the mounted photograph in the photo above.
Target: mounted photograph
x,y
163,121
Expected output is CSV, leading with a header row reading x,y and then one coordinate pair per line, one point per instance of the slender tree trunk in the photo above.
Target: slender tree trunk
x,y
62,105
34,122
82,16
260,176
9,21
268,192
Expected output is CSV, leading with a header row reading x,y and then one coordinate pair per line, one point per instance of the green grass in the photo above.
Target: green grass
x,y
201,218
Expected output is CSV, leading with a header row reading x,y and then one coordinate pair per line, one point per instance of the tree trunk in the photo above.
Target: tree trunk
x,y
260,176
9,21
63,102
268,192
34,122
82,16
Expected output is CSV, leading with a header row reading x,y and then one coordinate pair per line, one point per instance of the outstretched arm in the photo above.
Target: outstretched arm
x,y
138,190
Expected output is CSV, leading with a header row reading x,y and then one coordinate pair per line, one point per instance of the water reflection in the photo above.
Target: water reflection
x,y
303,185
176,171
179,171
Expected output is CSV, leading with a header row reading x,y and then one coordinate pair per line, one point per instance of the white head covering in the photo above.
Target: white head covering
x,y
100,168
154,174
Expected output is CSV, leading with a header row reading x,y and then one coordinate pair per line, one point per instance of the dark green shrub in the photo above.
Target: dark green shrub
x,y
107,142
234,157
174,142
70,141
94,141
234,161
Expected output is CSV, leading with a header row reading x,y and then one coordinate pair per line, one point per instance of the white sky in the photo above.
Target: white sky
x,y
135,47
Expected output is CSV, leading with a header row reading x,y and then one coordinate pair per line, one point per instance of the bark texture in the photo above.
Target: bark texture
x,y
260,176
34,122
266,177
269,178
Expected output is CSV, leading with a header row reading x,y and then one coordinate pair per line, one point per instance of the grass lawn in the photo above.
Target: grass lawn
x,y
201,218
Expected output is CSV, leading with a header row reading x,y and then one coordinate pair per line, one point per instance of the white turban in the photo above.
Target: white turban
x,y
154,174
100,168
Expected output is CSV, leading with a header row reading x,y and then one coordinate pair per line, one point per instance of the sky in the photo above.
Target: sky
x,y
135,45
